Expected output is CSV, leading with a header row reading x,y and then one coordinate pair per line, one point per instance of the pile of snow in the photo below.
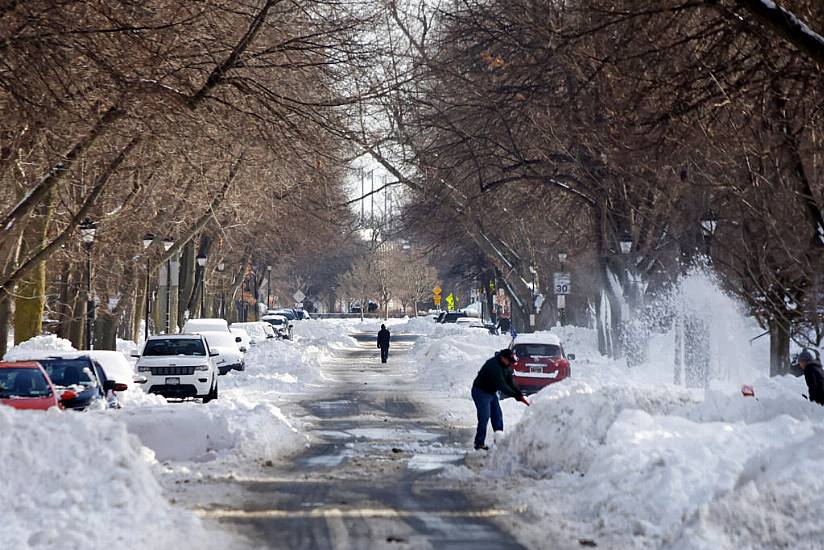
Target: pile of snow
x,y
223,429
39,346
653,466
568,422
80,481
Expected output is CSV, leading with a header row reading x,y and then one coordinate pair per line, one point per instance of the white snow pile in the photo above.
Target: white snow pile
x,y
649,466
80,481
568,422
224,429
321,333
40,345
277,367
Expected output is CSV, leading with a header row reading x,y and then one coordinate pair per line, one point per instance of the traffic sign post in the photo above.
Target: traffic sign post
x,y
561,283
562,286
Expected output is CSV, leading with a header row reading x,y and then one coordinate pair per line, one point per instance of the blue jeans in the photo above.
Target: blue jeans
x,y
489,408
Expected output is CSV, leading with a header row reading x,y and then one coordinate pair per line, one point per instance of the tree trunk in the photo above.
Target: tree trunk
x,y
779,348
5,318
186,284
105,330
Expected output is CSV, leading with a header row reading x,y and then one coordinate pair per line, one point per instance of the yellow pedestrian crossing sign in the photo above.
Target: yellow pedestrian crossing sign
x,y
450,301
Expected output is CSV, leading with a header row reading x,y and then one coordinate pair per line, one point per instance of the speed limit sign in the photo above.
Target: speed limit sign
x,y
561,283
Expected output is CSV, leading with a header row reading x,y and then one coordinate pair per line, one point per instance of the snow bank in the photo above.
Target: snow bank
x,y
80,481
569,421
39,346
650,465
195,432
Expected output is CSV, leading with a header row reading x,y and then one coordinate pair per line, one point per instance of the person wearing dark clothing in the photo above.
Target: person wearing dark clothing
x,y
495,376
383,343
813,375
504,325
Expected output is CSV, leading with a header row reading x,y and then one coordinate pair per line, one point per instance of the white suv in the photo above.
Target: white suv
x,y
179,366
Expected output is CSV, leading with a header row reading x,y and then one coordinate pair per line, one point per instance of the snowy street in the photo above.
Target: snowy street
x,y
369,478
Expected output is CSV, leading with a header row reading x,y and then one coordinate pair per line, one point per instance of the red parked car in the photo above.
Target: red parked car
x,y
26,385
541,361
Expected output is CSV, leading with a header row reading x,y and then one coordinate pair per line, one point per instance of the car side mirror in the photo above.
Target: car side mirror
x,y
571,356
213,354
68,395
135,355
139,379
238,339
268,336
120,387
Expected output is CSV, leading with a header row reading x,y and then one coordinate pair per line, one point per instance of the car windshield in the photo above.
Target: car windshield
x,y
22,383
274,321
174,346
453,317
537,350
69,372
288,314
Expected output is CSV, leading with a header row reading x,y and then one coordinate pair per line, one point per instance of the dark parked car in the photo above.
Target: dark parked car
x,y
452,317
86,378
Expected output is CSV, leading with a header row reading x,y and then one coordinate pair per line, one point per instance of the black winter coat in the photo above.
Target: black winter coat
x,y
383,338
495,377
814,375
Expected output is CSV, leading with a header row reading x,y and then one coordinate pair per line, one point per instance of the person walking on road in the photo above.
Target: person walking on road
x,y
813,375
383,343
495,376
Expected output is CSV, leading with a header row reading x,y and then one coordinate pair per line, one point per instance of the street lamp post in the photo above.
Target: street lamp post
x,y
709,223
168,242
268,286
148,238
222,309
201,262
87,231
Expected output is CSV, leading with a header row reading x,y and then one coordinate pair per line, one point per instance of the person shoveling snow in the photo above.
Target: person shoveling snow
x,y
495,376
813,375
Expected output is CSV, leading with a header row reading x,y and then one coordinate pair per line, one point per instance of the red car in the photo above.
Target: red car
x,y
540,361
26,385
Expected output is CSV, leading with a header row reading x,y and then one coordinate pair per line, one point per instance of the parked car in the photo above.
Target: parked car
x,y
258,331
281,324
288,313
304,315
475,324
452,317
78,372
226,345
194,326
179,366
245,341
115,365
25,385
541,361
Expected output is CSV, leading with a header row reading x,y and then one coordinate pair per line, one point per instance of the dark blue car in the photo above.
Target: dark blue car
x,y
86,378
